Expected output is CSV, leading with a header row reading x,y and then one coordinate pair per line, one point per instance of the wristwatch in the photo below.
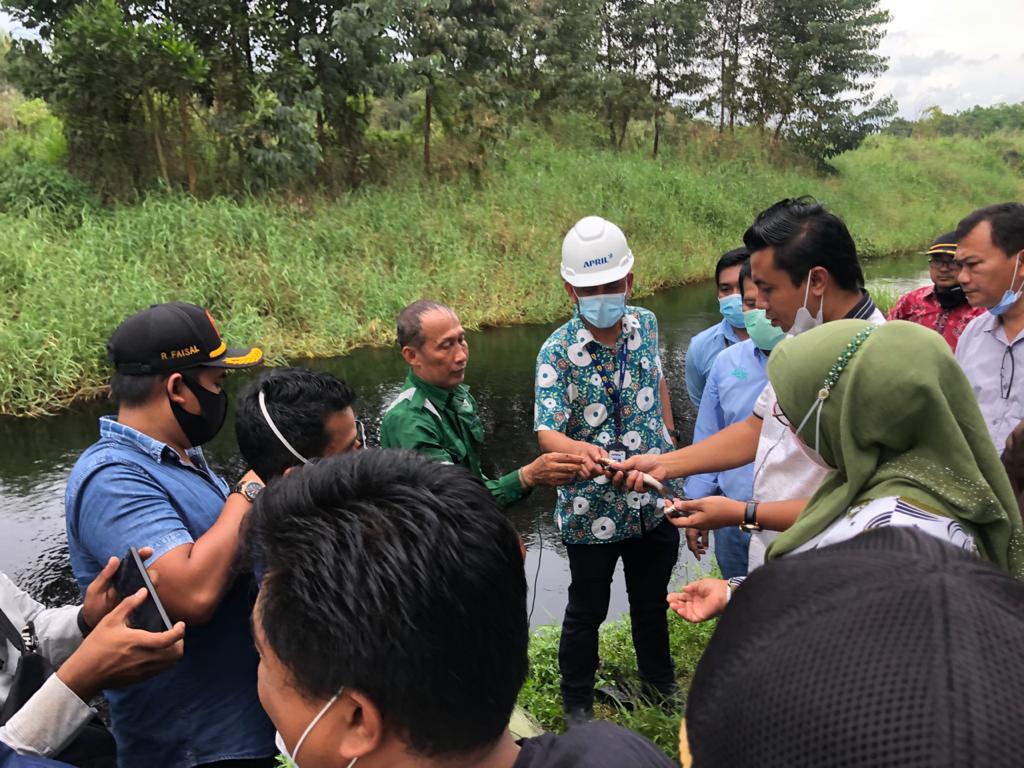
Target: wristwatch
x,y
750,518
250,489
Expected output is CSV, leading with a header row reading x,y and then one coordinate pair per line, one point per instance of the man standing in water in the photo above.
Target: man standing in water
x,y
146,480
941,306
706,345
600,393
990,253
436,416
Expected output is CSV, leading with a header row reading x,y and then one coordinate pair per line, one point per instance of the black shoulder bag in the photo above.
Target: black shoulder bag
x,y
94,747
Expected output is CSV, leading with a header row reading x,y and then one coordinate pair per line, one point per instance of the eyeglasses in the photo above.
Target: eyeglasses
x,y
944,261
1006,373
779,415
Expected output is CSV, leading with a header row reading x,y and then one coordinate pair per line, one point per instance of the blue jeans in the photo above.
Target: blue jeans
x,y
731,546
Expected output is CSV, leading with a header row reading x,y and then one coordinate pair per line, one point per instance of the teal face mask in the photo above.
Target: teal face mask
x,y
731,308
761,331
603,310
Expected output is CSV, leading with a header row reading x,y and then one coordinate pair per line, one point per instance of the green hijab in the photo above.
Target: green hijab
x,y
899,420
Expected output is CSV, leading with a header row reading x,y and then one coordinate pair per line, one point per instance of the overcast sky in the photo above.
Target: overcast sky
x,y
953,53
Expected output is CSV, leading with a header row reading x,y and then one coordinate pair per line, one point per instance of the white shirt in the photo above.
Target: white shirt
x,y
994,366
54,715
782,470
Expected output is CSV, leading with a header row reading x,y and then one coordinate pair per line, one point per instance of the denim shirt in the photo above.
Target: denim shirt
x,y
128,489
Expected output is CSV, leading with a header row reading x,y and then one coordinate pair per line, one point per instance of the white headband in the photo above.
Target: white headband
x,y
276,431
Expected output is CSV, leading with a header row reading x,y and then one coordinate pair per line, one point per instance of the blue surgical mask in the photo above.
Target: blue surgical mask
x,y
731,308
1011,297
761,331
603,310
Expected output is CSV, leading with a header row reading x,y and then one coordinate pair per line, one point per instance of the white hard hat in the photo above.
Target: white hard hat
x,y
595,252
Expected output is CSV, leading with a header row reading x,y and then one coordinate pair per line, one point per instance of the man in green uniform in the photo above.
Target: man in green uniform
x,y
435,414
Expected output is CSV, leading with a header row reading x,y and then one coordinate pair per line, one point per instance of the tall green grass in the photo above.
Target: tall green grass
x,y
316,276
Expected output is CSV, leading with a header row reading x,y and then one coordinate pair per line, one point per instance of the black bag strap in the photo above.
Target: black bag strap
x,y
8,630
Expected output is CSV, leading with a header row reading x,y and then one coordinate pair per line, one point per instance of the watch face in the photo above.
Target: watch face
x,y
251,490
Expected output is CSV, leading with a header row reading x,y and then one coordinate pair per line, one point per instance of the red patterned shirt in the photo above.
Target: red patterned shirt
x,y
920,306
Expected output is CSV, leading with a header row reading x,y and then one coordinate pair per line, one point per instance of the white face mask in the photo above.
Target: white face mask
x,y
813,453
294,756
803,320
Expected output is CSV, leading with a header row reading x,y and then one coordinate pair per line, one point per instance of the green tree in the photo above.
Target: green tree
x,y
812,61
465,55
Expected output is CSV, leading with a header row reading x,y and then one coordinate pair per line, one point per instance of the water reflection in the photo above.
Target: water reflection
x,y
36,455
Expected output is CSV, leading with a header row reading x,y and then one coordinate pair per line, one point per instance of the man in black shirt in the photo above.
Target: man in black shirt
x,y
392,623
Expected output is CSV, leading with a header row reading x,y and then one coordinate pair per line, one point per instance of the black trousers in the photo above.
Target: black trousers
x,y
647,562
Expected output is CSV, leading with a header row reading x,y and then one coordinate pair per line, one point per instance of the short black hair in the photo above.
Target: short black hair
x,y
401,578
804,234
409,328
1007,221
745,274
132,391
730,259
299,401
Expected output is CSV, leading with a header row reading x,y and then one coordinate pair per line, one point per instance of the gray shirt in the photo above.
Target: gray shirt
x,y
991,364
54,715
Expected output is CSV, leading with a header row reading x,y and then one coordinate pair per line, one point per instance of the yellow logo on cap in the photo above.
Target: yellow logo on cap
x,y
176,354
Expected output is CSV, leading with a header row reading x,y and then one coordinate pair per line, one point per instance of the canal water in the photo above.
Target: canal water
x,y
37,455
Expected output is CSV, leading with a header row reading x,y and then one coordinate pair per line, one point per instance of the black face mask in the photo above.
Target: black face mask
x,y
213,409
950,298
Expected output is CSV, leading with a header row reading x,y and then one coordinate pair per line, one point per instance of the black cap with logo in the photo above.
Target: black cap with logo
x,y
174,337
944,244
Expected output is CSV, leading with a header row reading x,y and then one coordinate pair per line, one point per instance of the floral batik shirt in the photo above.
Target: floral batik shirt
x,y
571,398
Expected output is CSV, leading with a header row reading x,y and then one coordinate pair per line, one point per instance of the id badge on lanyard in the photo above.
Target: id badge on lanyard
x,y
617,451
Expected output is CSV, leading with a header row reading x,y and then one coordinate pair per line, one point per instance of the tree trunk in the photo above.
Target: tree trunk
x,y
721,107
426,131
150,113
186,141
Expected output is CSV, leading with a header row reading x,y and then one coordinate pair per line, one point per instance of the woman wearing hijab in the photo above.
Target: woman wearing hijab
x,y
890,410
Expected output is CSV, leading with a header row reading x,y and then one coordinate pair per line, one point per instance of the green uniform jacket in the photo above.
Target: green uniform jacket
x,y
444,425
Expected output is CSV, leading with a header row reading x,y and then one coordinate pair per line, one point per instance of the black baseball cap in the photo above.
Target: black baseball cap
x,y
944,244
891,649
173,337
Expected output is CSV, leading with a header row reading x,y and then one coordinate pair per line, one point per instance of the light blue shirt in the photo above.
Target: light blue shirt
x,y
994,366
128,489
701,354
736,379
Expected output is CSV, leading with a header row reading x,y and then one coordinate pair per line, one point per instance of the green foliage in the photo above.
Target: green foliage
x,y
29,132
36,186
540,695
277,143
976,121
278,270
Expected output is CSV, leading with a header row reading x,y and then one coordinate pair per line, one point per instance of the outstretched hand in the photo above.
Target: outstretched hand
x,y
629,474
708,513
700,600
101,596
554,469
115,655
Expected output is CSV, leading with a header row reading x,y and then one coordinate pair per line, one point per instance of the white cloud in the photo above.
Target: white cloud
x,y
953,54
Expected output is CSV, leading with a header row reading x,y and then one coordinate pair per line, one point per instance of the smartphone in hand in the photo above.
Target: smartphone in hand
x,y
131,576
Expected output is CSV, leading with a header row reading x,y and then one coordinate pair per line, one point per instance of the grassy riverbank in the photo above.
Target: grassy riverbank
x,y
314,277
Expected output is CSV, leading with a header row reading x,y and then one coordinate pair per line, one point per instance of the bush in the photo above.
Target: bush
x,y
37,186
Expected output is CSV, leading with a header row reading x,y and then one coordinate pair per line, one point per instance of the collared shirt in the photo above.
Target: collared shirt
x,y
444,425
922,307
128,489
994,366
571,398
701,354
782,470
53,715
736,380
